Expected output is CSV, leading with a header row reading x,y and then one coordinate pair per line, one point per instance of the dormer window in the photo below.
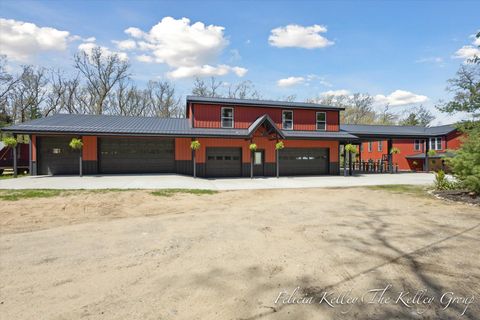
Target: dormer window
x,y
227,117
321,121
287,120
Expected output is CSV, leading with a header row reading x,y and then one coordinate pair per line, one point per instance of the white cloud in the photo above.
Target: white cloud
x,y
144,58
87,47
290,81
467,52
294,35
190,49
205,71
125,44
21,40
336,93
135,32
430,60
400,98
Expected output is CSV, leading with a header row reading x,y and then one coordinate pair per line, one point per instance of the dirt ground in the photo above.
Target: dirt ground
x,y
239,255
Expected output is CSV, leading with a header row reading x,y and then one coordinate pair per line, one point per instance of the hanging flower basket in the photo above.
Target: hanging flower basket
x,y
351,148
279,145
195,145
252,147
10,142
395,151
76,144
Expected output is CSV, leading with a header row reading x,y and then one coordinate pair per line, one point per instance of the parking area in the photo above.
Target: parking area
x,y
166,181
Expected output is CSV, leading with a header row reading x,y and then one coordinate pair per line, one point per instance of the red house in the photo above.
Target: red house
x,y
225,128
413,142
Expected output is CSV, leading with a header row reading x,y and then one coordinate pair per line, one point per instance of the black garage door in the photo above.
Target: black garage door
x,y
303,161
136,155
56,157
224,162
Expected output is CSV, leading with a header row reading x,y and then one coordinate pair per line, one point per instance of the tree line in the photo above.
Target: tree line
x,y
102,84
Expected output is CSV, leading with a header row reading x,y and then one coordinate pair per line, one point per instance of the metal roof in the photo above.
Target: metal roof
x,y
438,155
342,135
263,103
76,124
363,130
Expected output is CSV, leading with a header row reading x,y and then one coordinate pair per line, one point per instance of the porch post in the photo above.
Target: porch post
x,y
30,150
344,161
251,164
390,157
277,162
427,149
360,157
14,150
350,164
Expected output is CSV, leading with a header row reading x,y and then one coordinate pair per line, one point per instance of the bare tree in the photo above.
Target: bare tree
x,y
164,102
29,94
418,116
210,89
386,117
102,72
243,90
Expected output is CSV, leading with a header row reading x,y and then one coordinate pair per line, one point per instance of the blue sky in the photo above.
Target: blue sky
x,y
401,52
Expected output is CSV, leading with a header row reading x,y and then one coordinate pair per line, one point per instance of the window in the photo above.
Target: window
x,y
417,145
380,146
436,143
321,121
227,117
287,120
257,159
370,143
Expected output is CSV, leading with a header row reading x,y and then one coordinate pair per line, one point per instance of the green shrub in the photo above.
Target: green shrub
x,y
76,144
442,183
466,162
431,153
195,145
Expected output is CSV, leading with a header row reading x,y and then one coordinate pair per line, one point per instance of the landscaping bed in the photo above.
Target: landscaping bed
x,y
459,196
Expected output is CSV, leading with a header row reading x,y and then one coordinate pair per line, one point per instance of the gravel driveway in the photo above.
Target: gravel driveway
x,y
238,255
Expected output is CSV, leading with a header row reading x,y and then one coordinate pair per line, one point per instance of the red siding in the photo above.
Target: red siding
x,y
406,146
89,150
34,147
182,147
208,116
454,140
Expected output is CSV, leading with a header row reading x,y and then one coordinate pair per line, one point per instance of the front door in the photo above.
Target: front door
x,y
259,163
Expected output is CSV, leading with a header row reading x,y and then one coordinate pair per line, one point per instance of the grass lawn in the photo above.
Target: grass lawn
x,y
14,195
403,188
171,192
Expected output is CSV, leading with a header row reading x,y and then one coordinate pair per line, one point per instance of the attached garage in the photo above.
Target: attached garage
x,y
136,155
224,162
56,157
304,161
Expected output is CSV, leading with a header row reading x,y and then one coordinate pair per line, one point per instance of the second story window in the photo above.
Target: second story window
x,y
321,121
227,117
436,143
287,120
380,146
417,145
